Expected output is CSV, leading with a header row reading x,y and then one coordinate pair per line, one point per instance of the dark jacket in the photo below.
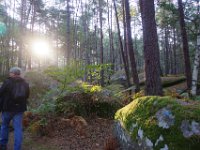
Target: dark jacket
x,y
6,99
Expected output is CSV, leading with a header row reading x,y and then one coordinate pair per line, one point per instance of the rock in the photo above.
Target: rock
x,y
119,78
148,142
124,139
140,133
190,129
159,123
165,148
160,139
165,118
134,125
185,95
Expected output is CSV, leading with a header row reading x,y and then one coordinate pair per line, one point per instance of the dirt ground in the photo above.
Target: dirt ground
x,y
98,135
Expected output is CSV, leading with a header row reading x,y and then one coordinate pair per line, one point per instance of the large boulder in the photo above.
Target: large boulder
x,y
159,123
119,78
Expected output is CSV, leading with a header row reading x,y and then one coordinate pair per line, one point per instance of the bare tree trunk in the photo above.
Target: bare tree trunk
x,y
22,15
185,45
151,50
110,37
110,52
174,52
125,38
101,42
166,51
68,42
129,44
12,40
196,68
121,47
112,56
75,30
32,30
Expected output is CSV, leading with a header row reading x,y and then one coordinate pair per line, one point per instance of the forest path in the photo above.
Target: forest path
x,y
97,133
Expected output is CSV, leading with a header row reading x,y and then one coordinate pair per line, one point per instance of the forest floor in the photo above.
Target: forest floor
x,y
97,136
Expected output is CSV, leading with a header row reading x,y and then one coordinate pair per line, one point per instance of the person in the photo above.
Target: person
x,y
13,107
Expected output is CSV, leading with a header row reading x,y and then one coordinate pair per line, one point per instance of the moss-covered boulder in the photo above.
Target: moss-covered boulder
x,y
159,123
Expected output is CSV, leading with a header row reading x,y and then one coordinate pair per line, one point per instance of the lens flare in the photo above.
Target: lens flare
x,y
41,48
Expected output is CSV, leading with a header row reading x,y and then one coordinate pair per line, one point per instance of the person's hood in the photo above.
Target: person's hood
x,y
16,79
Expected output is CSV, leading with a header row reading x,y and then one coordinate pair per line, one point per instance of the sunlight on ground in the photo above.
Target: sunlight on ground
x,y
41,48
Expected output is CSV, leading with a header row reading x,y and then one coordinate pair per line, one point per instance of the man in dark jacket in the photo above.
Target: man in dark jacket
x,y
13,109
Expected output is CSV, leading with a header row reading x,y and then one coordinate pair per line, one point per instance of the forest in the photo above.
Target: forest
x,y
105,74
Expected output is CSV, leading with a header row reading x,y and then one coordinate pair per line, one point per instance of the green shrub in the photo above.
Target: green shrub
x,y
67,74
87,105
39,85
95,72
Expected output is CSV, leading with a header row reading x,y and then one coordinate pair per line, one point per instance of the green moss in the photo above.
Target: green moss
x,y
143,110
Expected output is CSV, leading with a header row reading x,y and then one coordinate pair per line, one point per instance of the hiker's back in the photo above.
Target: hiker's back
x,y
16,95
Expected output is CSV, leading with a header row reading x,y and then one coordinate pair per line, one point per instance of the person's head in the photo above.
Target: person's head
x,y
15,71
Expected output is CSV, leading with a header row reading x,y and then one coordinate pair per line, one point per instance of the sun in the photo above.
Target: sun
x,y
40,48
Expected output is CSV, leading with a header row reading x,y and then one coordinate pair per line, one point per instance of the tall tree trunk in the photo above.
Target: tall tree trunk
x,y
112,55
68,41
185,45
101,41
76,30
13,26
166,51
7,44
129,44
32,30
174,52
151,50
196,68
111,48
110,38
22,15
125,38
171,58
121,47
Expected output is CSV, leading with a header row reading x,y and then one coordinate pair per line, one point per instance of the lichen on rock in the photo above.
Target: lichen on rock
x,y
165,148
190,129
160,139
134,125
140,133
160,123
165,118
